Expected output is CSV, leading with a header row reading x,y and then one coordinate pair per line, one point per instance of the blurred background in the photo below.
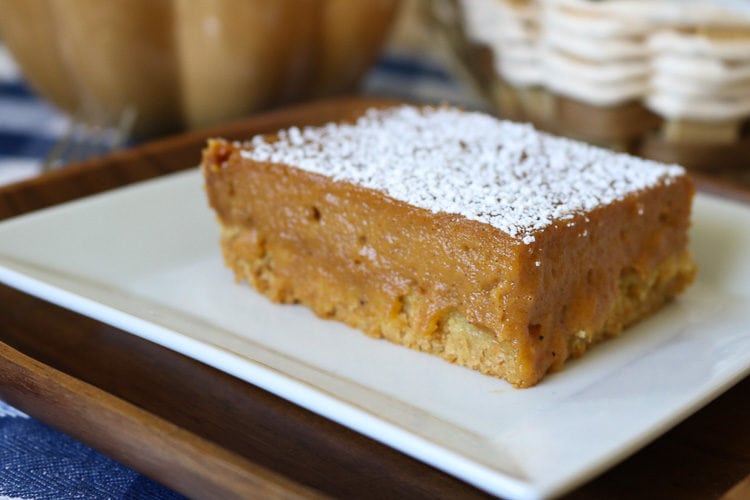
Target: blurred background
x,y
82,77
665,79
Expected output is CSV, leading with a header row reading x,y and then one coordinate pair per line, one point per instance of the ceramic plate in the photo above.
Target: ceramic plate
x,y
146,259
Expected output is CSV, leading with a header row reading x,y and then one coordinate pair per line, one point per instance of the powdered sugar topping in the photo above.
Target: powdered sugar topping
x,y
502,173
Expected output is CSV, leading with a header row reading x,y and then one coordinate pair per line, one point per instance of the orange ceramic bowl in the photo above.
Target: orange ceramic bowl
x,y
189,63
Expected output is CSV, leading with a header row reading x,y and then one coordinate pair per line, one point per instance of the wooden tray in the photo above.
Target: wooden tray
x,y
206,434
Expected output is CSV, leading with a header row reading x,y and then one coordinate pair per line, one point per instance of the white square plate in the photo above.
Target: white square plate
x,y
146,259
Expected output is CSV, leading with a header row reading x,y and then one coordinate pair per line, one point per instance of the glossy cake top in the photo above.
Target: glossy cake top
x,y
498,172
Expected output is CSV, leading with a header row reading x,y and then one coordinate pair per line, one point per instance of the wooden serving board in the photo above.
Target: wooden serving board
x,y
207,434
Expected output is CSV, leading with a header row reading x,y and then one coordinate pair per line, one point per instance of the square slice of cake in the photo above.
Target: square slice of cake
x,y
482,241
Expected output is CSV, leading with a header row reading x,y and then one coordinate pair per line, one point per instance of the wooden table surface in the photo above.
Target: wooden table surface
x,y
206,434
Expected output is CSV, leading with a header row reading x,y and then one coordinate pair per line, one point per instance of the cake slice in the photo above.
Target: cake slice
x,y
478,240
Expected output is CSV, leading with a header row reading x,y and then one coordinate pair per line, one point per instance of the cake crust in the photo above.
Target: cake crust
x,y
512,306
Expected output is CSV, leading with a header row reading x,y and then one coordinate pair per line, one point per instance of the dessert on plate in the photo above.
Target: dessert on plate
x,y
482,241
663,79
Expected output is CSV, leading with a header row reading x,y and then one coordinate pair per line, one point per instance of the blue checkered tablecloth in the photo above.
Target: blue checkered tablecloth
x,y
29,127
37,462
